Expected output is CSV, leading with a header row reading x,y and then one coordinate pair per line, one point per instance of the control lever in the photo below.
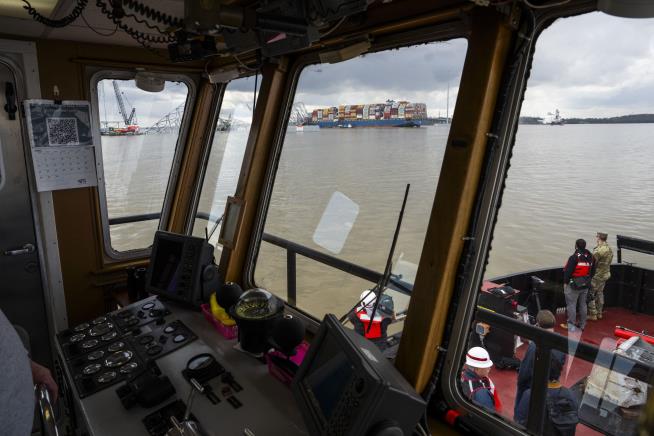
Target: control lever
x,y
187,427
195,387
48,424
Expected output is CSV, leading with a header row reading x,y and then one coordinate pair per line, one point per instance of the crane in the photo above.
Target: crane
x,y
121,106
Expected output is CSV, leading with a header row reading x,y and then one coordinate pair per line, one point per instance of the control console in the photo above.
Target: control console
x,y
113,347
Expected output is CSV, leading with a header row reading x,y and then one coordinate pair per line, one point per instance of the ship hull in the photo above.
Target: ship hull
x,y
393,122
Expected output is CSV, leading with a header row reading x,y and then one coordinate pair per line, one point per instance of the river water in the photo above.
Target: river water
x,y
565,182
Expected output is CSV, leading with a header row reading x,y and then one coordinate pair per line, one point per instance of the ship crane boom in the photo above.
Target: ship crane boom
x,y
127,119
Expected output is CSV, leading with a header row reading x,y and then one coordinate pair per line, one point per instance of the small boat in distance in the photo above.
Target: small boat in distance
x,y
555,119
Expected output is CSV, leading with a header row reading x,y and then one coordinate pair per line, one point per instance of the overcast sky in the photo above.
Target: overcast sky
x,y
589,66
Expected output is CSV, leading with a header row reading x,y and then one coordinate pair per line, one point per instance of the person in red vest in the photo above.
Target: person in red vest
x,y
475,383
384,315
577,274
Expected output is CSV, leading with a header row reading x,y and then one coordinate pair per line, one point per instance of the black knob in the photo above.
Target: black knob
x,y
385,428
228,294
287,334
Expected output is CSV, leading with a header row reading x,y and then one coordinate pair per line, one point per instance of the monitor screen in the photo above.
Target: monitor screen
x,y
166,265
346,386
176,268
328,378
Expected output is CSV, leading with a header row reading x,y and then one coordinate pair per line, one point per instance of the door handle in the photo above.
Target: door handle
x,y
26,249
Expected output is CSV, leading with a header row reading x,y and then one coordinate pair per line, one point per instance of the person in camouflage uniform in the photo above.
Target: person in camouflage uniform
x,y
603,256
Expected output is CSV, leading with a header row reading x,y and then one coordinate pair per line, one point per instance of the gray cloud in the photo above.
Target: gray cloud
x,y
591,65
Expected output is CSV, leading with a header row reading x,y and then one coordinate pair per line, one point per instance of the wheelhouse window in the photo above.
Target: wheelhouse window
x,y
577,193
225,156
359,132
140,133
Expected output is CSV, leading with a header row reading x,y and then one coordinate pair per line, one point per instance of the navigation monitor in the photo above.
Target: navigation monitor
x,y
177,265
345,386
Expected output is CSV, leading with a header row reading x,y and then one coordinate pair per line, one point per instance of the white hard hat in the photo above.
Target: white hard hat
x,y
368,298
477,357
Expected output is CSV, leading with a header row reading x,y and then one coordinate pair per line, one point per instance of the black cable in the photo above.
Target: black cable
x,y
141,37
153,14
61,22
148,25
94,30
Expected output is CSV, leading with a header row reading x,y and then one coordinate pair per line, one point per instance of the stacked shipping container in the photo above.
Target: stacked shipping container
x,y
402,110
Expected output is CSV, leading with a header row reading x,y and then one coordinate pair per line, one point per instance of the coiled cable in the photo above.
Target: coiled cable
x,y
61,22
141,37
153,14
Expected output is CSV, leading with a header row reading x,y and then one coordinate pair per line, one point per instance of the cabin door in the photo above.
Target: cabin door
x,y
21,290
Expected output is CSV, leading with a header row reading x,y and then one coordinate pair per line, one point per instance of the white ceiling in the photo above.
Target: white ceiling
x,y
14,20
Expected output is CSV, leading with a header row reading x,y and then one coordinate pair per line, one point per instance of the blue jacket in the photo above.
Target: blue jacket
x,y
477,389
522,411
526,372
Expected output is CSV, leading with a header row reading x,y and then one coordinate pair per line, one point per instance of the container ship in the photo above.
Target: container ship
x,y
389,114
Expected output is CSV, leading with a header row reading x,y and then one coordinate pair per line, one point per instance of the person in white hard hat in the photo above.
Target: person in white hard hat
x,y
475,383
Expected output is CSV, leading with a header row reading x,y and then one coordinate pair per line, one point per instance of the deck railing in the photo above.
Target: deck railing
x,y
154,216
293,249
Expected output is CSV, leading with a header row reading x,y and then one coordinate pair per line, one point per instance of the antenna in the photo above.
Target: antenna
x,y
447,112
213,229
385,278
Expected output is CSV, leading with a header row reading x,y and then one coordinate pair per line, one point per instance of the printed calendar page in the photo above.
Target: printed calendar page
x,y
61,142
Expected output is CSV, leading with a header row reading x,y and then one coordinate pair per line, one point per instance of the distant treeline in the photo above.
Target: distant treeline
x,y
624,119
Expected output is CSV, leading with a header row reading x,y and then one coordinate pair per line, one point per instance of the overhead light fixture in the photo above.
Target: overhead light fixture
x,y
149,82
345,53
627,8
223,75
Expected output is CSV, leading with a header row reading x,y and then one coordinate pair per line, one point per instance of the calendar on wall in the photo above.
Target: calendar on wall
x,y
61,142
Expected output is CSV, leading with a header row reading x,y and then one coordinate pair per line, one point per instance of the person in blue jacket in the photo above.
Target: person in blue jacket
x,y
561,406
475,383
545,320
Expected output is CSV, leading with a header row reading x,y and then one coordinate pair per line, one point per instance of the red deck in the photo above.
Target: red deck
x,y
595,333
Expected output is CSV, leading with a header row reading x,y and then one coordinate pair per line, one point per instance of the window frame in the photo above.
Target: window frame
x,y
208,147
104,74
433,34
465,292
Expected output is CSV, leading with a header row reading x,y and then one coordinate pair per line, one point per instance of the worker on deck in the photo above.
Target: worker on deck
x,y
602,256
577,274
561,406
475,383
383,317
544,319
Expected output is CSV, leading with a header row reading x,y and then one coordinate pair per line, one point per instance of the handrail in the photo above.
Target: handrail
x,y
546,342
633,244
153,216
293,248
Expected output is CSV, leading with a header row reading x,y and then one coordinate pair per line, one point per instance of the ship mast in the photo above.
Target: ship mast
x,y
447,105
